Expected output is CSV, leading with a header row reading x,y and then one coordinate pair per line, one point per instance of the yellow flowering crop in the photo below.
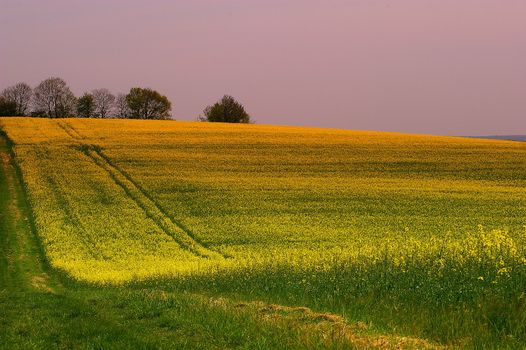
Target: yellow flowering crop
x,y
122,200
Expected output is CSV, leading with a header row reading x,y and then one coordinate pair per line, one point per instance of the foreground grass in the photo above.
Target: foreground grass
x,y
42,309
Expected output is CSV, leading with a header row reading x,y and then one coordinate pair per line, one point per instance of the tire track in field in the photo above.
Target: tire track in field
x,y
72,132
161,209
169,226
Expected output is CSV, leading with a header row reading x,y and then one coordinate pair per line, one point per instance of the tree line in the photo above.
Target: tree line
x,y
52,98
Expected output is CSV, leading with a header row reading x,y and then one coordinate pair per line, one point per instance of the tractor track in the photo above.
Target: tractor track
x,y
180,234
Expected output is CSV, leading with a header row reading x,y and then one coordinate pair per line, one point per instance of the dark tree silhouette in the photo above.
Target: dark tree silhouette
x,y
227,110
86,106
147,104
7,107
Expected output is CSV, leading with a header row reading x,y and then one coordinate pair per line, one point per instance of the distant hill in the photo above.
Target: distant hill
x,y
504,137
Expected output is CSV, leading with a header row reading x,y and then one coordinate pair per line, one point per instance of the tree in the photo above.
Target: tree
x,y
86,106
104,102
54,99
121,109
19,94
147,104
7,107
227,110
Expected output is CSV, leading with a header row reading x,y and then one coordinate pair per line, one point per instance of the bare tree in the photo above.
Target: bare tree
x,y
122,110
20,95
54,99
104,103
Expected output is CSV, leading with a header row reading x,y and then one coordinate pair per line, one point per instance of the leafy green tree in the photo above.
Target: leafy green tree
x,y
7,107
86,106
147,104
227,110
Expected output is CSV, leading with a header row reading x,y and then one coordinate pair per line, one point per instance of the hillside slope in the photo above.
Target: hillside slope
x,y
354,223
42,309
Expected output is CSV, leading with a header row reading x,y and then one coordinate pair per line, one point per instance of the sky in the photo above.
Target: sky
x,y
450,67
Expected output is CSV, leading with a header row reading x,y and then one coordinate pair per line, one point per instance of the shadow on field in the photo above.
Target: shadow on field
x,y
469,303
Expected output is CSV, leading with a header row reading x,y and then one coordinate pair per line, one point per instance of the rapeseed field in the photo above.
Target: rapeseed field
x,y
422,234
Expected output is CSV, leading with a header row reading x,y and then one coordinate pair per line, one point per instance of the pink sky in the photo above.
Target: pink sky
x,y
429,66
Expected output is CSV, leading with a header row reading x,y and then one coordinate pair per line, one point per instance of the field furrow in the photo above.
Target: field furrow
x,y
150,207
180,235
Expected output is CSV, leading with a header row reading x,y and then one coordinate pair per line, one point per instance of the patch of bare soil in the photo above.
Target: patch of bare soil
x,y
41,282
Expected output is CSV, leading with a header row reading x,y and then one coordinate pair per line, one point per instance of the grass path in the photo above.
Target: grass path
x,y
20,262
36,310
41,309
